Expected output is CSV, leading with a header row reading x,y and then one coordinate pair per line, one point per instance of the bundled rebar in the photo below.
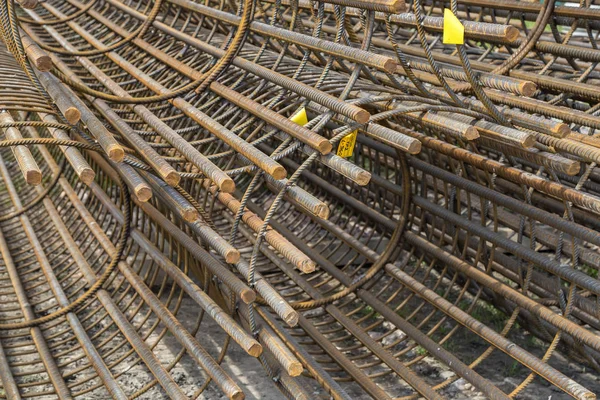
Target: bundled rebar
x,y
324,186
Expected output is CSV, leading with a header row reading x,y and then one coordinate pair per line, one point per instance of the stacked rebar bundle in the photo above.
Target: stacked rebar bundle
x,y
325,186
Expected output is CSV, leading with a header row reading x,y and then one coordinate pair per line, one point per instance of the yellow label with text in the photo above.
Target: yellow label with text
x,y
346,146
300,117
454,31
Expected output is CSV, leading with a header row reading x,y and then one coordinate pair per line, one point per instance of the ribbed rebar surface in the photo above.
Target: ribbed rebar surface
x,y
328,187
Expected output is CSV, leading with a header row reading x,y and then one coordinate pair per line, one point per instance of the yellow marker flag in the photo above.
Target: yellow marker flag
x,y
454,31
300,117
346,146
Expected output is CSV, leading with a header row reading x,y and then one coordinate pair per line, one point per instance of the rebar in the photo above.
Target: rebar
x,y
189,190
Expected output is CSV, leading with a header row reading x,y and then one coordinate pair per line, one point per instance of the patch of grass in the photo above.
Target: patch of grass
x,y
489,315
512,369
591,271
420,351
532,341
367,310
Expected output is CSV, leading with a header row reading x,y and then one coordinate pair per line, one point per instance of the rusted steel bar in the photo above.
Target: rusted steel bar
x,y
196,293
39,57
356,113
164,130
27,312
277,348
63,98
29,168
433,192
503,83
299,132
76,159
75,323
296,257
360,56
473,30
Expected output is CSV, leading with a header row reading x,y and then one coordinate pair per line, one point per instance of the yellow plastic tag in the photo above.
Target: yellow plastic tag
x,y
346,146
300,117
454,31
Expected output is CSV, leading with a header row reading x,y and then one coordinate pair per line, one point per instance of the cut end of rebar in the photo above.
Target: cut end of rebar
x,y
589,396
574,168
307,266
529,141
72,115
227,186
527,88
390,66
291,319
87,176
278,172
363,178
322,211
190,214
325,147
143,193
471,133
172,178
295,369
28,4
255,349
237,395
396,6
561,130
248,296
511,34
362,116
232,256
414,147
43,63
33,177
115,153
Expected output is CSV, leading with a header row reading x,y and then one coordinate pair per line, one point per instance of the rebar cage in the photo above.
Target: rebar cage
x,y
328,187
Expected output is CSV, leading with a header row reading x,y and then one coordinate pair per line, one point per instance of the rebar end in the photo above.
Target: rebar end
x,y
307,266
362,116
574,168
115,153
390,66
414,147
363,178
143,193
278,173
248,296
529,141
528,88
87,176
255,349
237,395
72,115
295,369
291,318
33,177
190,215
232,256
511,34
172,178
227,185
43,63
471,133
325,147
561,129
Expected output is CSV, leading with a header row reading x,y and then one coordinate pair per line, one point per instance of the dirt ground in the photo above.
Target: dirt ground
x,y
251,377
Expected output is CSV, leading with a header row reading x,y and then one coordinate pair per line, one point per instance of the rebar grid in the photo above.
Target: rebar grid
x,y
153,164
